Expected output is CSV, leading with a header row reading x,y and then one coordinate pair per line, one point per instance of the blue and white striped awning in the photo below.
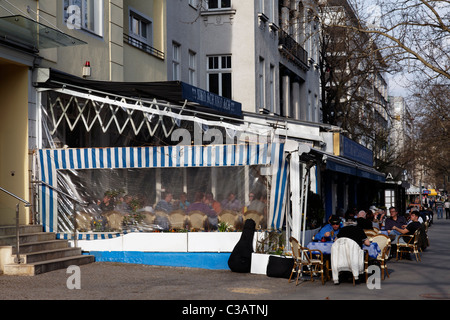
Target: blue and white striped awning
x,y
52,160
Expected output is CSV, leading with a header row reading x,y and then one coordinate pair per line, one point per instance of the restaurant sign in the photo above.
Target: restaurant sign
x,y
210,100
352,150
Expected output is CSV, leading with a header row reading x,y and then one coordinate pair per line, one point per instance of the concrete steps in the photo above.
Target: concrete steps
x,y
39,251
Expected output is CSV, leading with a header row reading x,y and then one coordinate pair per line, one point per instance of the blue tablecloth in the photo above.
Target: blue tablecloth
x,y
325,247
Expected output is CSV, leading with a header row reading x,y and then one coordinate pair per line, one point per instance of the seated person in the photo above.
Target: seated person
x,y
410,228
362,221
200,205
255,203
330,230
231,203
183,202
213,203
166,203
394,221
356,233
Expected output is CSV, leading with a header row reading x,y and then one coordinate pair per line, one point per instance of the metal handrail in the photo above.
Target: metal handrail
x,y
27,204
74,202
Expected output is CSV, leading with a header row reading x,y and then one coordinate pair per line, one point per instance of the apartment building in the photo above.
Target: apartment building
x,y
261,53
101,40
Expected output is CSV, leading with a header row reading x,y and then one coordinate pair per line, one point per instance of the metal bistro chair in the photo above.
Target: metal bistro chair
x,y
384,243
411,244
303,257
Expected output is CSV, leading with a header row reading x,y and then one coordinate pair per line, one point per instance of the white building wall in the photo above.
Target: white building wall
x,y
249,32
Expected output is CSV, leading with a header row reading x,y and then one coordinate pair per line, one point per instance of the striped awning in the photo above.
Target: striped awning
x,y
52,160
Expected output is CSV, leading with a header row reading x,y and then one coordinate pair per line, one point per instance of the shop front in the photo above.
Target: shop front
x,y
138,179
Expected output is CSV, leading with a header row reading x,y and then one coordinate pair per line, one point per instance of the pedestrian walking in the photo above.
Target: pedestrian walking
x,y
439,208
447,208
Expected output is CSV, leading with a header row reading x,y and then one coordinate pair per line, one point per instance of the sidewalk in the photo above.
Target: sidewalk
x,y
428,279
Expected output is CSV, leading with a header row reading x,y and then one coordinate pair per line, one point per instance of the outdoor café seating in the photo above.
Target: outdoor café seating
x,y
410,244
196,220
346,255
384,243
177,219
230,217
304,261
255,215
370,233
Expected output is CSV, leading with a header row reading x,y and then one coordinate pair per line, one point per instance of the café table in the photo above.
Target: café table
x,y
325,248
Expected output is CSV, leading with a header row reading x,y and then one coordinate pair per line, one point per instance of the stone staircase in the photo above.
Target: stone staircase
x,y
40,251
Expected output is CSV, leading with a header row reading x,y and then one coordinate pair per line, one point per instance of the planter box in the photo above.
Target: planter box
x,y
144,242
212,241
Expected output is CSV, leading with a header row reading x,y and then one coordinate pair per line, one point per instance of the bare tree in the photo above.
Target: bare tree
x,y
432,130
415,34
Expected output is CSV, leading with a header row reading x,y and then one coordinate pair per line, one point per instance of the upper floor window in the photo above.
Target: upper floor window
x,y
219,75
192,68
176,61
219,4
140,28
84,14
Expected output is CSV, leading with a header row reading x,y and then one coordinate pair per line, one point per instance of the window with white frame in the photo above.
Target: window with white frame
x,y
219,4
272,88
84,14
176,61
140,27
219,75
192,68
261,78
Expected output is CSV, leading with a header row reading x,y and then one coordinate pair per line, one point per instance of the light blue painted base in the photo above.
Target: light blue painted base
x,y
202,260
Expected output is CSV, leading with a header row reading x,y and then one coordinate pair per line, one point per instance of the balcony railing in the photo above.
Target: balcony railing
x,y
292,48
143,46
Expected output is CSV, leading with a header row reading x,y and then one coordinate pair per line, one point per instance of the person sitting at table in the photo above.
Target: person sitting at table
x,y
362,221
394,221
200,205
356,233
231,203
165,204
410,228
330,230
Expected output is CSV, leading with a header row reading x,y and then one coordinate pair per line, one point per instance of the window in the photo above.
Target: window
x,y
192,68
176,72
84,14
261,83
219,4
219,75
272,88
140,28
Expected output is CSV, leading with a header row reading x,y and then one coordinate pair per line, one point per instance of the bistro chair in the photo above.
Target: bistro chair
x,y
255,215
411,244
229,217
178,219
84,221
370,233
384,243
304,261
196,220
115,220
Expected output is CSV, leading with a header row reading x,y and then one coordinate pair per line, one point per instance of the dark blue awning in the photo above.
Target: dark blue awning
x,y
354,169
